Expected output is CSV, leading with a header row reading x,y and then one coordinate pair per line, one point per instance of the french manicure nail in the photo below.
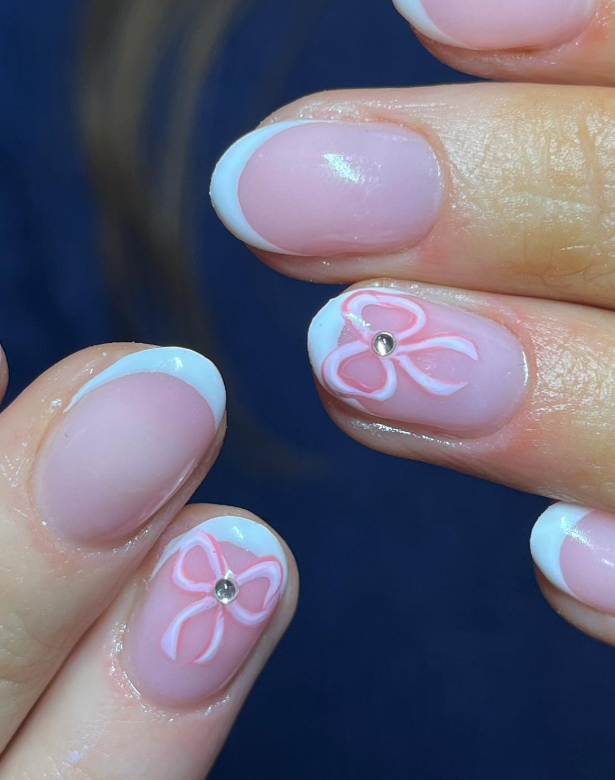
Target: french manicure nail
x,y
574,547
210,596
327,187
400,358
126,442
505,24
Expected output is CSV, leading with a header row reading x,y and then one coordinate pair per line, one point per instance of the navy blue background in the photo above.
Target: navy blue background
x,y
421,646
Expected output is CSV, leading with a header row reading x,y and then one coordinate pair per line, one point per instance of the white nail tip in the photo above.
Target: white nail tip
x,y
194,369
323,337
548,534
244,533
324,333
224,190
414,12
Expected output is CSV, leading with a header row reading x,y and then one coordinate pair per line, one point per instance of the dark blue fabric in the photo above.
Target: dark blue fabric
x,y
421,646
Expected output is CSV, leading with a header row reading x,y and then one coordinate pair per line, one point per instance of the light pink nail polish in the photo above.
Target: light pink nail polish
x,y
397,357
209,599
327,188
126,442
505,24
574,547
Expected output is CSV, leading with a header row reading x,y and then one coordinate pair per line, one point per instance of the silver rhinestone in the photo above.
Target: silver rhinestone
x,y
383,344
226,590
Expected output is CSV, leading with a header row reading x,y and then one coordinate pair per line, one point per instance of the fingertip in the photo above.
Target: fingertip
x,y
574,548
219,579
503,26
4,373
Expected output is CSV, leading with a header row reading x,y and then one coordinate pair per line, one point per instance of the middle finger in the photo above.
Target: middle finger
x,y
495,187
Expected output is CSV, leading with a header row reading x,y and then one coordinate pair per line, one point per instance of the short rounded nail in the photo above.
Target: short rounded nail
x,y
505,24
400,358
574,547
327,188
126,442
210,597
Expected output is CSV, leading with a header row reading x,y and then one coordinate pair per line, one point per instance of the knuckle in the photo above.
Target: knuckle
x,y
561,190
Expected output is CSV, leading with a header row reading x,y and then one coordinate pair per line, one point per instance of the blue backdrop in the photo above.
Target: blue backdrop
x,y
456,668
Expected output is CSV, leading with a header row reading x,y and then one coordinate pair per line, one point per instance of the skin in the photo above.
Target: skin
x,y
534,252
525,236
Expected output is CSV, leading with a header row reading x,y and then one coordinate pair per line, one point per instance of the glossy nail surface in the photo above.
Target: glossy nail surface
x,y
400,358
210,597
574,547
327,188
126,442
505,24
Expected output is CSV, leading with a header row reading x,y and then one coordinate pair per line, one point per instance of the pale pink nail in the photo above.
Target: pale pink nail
x,y
210,597
499,24
327,188
574,547
400,358
126,442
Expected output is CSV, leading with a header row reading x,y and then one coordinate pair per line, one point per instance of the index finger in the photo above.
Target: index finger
x,y
561,41
495,187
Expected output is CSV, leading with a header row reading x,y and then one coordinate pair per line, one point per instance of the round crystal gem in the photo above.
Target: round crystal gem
x,y
383,344
225,590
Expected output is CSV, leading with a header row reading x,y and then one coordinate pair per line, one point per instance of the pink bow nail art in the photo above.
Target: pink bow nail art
x,y
393,350
209,599
220,591
399,357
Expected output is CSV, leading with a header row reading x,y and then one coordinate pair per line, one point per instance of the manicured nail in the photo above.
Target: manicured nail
x,y
502,24
400,358
210,596
574,547
126,442
327,188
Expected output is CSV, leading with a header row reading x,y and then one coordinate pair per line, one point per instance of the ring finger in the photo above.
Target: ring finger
x,y
513,389
155,688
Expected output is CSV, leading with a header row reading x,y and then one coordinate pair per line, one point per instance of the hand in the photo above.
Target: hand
x,y
131,630
477,226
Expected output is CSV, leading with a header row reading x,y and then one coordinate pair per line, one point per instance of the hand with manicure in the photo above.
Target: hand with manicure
x,y
475,226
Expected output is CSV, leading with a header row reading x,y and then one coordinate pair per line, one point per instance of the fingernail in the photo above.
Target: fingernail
x,y
327,188
505,24
126,442
574,547
400,358
210,597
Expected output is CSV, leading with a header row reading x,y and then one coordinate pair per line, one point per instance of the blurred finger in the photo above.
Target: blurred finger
x,y
154,690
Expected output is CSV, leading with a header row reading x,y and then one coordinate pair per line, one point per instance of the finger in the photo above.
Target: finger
x,y
96,457
4,374
505,188
512,389
131,704
564,41
574,551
